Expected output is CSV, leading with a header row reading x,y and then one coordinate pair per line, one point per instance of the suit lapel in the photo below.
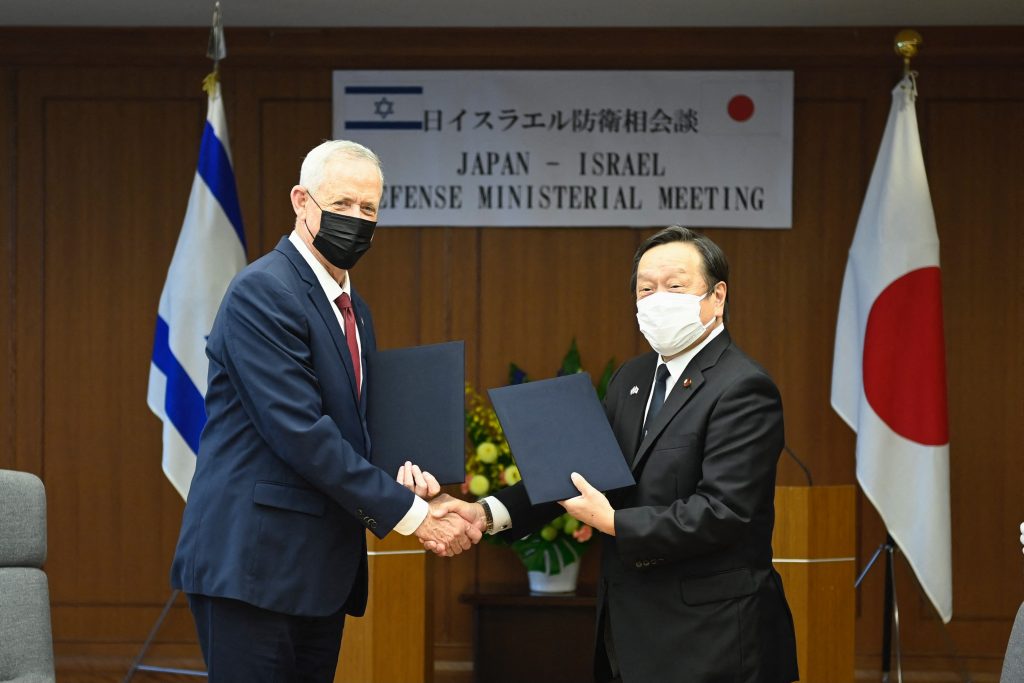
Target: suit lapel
x,y
323,307
680,395
634,404
326,311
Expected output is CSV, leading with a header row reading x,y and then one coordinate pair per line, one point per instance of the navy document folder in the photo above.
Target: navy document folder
x,y
556,427
415,409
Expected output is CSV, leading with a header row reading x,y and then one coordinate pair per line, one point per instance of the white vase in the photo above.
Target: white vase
x,y
562,582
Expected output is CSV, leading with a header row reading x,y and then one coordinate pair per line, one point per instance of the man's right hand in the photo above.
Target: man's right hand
x,y
444,531
445,506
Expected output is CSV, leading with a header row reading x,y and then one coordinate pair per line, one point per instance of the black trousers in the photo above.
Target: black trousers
x,y
246,644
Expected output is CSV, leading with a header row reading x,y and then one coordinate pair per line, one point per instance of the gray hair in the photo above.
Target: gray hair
x,y
312,172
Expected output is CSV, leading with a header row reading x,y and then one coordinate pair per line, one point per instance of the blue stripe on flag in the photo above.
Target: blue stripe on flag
x,y
383,125
383,90
183,404
215,170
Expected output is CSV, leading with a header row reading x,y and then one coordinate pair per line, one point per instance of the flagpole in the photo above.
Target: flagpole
x,y
216,50
906,44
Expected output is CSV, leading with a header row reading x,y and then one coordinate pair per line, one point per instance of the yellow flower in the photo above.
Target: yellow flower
x,y
479,486
487,452
512,475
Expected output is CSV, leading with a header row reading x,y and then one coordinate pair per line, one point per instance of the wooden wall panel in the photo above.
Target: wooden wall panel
x,y
99,279
287,131
449,300
8,172
541,288
95,163
26,302
802,270
108,231
101,188
978,205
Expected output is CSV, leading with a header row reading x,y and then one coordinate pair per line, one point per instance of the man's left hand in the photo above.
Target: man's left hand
x,y
423,484
590,507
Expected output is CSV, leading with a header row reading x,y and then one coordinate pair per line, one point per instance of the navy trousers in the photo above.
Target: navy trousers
x,y
246,644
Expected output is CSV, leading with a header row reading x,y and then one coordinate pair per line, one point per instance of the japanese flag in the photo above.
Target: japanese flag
x,y
889,367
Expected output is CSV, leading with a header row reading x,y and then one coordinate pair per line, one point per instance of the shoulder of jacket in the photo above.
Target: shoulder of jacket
x,y
633,370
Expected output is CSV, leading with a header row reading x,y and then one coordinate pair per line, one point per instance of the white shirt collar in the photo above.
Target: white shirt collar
x,y
677,365
330,286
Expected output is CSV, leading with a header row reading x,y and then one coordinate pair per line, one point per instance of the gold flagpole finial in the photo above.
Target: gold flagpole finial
x,y
906,45
216,49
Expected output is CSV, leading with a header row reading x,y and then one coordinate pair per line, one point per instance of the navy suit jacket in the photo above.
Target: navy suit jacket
x,y
284,490
687,581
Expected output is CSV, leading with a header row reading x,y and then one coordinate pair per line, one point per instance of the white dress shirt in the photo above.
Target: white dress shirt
x,y
418,512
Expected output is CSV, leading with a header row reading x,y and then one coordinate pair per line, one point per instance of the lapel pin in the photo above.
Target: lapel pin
x,y
634,391
686,383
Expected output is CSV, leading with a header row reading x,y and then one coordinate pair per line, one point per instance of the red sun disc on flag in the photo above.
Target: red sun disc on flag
x,y
741,108
905,358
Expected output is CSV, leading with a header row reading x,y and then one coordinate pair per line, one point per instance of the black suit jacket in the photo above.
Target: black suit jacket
x,y
687,585
284,491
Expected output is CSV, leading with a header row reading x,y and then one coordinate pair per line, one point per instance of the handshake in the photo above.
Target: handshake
x,y
452,525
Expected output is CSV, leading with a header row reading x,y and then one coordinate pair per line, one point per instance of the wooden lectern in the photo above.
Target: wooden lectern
x,y
815,552
395,614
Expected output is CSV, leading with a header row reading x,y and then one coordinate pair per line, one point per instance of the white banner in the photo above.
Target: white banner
x,y
575,148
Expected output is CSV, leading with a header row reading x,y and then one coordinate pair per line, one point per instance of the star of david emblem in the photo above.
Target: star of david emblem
x,y
383,107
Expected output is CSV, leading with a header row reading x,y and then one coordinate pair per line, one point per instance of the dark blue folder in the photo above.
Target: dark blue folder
x,y
556,427
415,409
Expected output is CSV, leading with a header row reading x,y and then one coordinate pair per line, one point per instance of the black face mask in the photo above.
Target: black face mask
x,y
341,239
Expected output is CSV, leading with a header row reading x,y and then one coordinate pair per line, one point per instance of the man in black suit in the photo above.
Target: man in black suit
x,y
687,590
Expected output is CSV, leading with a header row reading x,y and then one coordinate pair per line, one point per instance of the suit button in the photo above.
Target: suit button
x,y
359,512
372,523
647,563
639,564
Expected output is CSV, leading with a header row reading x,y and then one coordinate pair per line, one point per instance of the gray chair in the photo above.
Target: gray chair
x,y
1013,662
26,642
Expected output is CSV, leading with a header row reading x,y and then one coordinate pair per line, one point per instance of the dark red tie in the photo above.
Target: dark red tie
x,y
344,303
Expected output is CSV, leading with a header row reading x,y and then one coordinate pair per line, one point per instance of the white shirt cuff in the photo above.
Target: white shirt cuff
x,y
414,517
499,514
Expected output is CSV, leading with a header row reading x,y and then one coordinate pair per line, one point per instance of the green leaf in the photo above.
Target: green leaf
x,y
606,376
516,375
571,364
566,551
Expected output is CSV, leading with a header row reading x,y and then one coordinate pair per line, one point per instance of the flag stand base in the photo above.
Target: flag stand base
x,y
890,610
137,664
891,613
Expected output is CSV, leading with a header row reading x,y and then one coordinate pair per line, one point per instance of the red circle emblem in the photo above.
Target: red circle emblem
x,y
905,358
741,108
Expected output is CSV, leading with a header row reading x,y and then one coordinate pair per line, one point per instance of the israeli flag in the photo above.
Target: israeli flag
x,y
383,107
210,251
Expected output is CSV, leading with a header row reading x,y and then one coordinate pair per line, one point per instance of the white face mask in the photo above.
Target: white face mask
x,y
671,322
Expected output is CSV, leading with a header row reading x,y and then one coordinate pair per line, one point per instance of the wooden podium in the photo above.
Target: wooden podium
x,y
389,642
815,552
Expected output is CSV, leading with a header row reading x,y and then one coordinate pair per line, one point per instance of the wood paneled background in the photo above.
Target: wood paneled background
x,y
99,134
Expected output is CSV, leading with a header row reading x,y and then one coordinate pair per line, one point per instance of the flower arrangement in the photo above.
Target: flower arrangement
x,y
490,466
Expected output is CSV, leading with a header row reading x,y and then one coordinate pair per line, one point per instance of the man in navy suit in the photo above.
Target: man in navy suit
x,y
687,590
272,552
